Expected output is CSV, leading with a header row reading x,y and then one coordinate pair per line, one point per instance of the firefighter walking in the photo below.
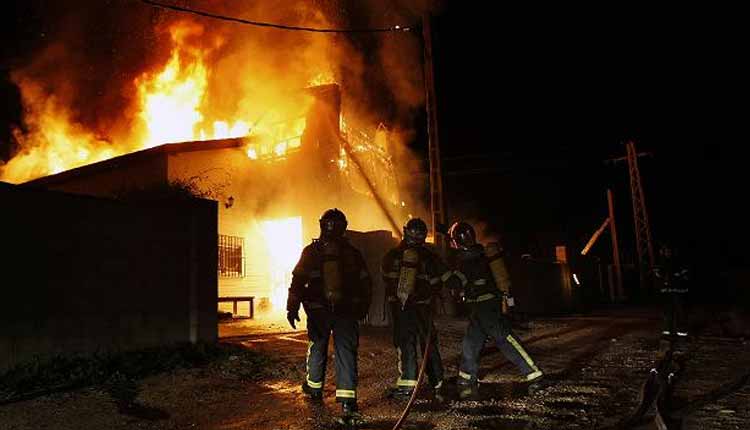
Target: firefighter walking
x,y
412,275
331,281
486,291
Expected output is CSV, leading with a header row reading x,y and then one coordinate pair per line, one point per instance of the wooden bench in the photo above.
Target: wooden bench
x,y
235,299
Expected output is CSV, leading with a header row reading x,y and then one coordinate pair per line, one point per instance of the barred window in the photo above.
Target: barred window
x,y
231,257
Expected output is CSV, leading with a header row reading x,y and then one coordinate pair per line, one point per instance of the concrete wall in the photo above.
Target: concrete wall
x,y
85,274
374,245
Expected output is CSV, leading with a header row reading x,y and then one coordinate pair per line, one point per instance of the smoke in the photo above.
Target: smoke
x,y
78,80
383,83
74,74
92,51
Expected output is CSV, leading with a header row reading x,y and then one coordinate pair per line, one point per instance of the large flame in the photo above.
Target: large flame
x,y
283,238
171,100
54,142
173,105
173,97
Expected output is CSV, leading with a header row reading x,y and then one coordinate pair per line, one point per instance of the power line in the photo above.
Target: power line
x,y
395,28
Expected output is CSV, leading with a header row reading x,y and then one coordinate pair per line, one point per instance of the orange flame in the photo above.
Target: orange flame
x,y
172,99
54,142
172,107
283,238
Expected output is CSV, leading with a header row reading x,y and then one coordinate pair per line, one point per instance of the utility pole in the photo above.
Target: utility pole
x,y
436,176
620,294
643,244
437,207
640,217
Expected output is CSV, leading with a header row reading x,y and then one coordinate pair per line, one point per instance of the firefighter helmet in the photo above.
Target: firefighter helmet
x,y
332,224
415,232
462,235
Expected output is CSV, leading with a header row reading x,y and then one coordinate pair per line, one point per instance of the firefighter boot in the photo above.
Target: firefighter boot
x,y
349,414
535,381
401,393
312,393
467,389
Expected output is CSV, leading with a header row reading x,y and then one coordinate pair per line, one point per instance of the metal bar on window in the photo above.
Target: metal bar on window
x,y
231,256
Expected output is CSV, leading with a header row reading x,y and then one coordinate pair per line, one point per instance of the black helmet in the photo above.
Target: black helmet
x,y
415,232
332,224
462,235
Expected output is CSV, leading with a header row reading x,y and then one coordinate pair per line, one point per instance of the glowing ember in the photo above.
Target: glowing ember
x,y
283,240
280,149
322,78
276,140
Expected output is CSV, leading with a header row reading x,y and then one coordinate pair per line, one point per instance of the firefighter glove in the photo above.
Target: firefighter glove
x,y
292,316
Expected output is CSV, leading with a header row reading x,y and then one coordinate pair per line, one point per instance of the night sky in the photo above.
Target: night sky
x,y
533,100
544,96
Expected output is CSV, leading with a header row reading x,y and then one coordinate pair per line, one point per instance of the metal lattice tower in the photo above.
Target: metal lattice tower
x,y
640,216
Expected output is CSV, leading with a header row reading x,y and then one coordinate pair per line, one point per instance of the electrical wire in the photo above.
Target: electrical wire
x,y
395,28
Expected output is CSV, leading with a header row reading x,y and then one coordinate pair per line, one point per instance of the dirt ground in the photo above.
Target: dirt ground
x,y
596,365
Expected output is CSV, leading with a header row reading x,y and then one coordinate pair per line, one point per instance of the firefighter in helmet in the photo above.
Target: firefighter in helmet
x,y
331,281
412,275
486,292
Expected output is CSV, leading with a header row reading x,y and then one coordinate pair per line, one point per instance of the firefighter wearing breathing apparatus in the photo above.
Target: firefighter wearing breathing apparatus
x,y
486,292
331,281
412,275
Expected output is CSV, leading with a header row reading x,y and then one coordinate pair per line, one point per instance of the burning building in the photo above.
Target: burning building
x,y
271,188
122,99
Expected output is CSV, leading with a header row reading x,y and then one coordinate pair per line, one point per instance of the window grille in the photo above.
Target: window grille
x,y
231,257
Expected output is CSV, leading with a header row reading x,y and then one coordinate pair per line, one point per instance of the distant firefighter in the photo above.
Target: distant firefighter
x,y
486,290
413,275
332,282
672,283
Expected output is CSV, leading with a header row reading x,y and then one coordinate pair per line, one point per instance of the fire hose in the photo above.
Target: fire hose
x,y
394,225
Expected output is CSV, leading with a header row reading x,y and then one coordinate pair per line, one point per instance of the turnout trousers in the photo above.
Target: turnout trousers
x,y
675,318
321,323
410,326
487,321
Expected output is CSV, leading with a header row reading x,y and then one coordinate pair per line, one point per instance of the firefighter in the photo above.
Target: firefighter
x,y
486,292
671,279
331,281
412,275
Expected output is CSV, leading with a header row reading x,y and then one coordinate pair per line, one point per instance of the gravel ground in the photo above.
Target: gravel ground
x,y
596,365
